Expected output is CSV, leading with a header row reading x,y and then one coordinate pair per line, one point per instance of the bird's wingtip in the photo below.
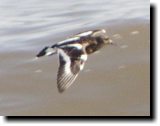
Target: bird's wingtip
x,y
60,90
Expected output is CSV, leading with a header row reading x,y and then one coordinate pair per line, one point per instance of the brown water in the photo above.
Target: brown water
x,y
114,82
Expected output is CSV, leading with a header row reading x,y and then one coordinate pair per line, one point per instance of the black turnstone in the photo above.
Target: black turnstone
x,y
73,53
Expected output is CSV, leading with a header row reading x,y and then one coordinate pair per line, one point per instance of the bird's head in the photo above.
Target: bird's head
x,y
102,36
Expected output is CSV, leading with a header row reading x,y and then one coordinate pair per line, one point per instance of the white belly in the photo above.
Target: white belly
x,y
84,57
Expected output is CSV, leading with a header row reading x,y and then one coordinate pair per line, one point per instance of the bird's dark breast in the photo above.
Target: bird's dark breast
x,y
96,45
73,52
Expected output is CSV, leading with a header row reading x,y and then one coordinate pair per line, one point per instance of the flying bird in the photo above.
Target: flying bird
x,y
73,53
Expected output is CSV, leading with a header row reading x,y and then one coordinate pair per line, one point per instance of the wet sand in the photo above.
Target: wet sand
x,y
114,82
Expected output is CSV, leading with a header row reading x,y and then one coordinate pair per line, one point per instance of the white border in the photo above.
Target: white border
x,y
156,122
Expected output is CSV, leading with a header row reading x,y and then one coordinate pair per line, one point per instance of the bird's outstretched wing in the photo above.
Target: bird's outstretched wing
x,y
69,69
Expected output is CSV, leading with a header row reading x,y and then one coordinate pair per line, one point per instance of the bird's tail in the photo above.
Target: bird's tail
x,y
47,51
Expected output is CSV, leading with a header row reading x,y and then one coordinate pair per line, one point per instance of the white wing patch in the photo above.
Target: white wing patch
x,y
68,40
50,51
76,45
85,33
77,37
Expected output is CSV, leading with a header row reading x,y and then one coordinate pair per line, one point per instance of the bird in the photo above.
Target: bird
x,y
73,53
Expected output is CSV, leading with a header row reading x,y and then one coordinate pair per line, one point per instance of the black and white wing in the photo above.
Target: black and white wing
x,y
69,69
